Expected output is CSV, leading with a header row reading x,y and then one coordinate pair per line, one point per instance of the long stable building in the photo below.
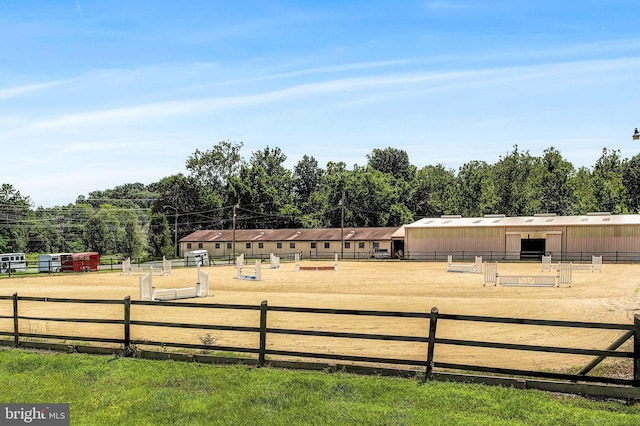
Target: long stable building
x,y
497,237
312,243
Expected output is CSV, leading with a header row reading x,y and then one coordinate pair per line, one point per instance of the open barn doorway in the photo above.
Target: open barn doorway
x,y
532,248
398,249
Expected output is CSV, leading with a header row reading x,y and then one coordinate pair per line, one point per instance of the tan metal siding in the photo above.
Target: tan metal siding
x,y
622,238
513,246
453,239
554,243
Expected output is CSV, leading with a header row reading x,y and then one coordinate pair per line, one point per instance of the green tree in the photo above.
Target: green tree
x,y
185,196
263,190
393,161
15,212
308,183
132,244
476,189
369,195
96,235
517,184
433,192
214,168
556,191
583,190
160,243
631,182
610,191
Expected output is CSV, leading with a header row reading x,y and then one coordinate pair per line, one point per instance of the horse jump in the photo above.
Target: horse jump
x,y
149,292
317,268
595,265
457,267
240,266
491,276
127,269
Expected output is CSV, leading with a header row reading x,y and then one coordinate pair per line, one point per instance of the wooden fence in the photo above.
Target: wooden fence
x,y
428,367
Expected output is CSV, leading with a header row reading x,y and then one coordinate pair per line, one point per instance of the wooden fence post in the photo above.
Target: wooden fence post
x,y
636,351
127,326
16,330
263,333
433,321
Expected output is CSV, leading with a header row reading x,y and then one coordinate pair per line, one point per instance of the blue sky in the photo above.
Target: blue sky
x,y
95,94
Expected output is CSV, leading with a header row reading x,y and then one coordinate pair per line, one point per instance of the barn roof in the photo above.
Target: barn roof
x,y
543,220
298,234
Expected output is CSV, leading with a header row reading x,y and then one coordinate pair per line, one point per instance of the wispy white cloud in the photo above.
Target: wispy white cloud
x,y
14,92
79,8
376,87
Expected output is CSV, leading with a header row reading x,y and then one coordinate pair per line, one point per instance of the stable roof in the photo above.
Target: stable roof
x,y
298,234
543,220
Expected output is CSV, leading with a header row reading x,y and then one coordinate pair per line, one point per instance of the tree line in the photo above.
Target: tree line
x,y
221,188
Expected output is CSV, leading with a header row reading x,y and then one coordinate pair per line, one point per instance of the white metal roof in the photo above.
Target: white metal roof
x,y
537,220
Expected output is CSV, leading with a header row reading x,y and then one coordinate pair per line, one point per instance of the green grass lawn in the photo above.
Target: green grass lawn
x,y
122,391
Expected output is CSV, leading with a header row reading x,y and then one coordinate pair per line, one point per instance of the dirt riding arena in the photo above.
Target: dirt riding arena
x,y
610,296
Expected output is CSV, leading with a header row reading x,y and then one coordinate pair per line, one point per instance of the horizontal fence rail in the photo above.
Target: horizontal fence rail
x,y
519,256
261,332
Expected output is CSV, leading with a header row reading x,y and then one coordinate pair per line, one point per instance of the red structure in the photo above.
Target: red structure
x,y
80,262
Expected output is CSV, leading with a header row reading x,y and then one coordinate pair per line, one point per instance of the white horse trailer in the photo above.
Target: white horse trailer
x,y
196,258
50,262
12,262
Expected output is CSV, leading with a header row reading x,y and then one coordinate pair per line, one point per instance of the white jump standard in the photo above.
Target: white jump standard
x,y
149,292
475,268
274,261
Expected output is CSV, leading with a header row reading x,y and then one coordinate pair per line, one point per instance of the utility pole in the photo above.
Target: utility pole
x,y
342,226
235,206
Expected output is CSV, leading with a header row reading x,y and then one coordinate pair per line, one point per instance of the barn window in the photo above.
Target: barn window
x,y
292,245
188,245
229,245
313,245
248,245
217,245
347,244
199,245
327,245
279,245
261,245
361,244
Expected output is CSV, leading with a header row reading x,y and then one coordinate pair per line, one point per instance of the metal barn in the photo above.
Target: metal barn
x,y
496,237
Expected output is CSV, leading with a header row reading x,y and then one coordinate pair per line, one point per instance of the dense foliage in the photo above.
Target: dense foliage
x,y
137,220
